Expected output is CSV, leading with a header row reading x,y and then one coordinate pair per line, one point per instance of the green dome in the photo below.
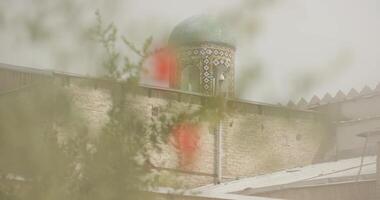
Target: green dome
x,y
201,29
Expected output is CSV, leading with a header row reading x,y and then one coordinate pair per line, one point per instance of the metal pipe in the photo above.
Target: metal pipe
x,y
362,159
219,171
219,131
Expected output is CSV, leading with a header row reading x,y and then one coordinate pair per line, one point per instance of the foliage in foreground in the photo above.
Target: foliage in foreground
x,y
47,149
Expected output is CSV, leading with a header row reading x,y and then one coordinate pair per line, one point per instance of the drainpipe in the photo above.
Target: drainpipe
x,y
374,136
219,132
219,153
362,159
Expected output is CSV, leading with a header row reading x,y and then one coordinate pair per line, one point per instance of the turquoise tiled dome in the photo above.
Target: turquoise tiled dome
x,y
201,29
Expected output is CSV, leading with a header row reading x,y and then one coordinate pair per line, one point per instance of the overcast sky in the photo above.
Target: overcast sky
x,y
334,42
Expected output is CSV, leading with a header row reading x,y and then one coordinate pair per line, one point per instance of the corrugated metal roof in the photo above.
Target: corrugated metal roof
x,y
317,174
219,196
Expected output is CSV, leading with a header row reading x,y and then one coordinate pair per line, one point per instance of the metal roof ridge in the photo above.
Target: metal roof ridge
x,y
340,96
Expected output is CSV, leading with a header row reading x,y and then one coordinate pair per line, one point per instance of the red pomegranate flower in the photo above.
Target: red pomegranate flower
x,y
186,141
165,65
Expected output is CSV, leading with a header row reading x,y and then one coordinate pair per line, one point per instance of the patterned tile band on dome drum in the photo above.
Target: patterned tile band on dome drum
x,y
206,58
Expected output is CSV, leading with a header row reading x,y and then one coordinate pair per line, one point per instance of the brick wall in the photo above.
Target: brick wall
x,y
257,138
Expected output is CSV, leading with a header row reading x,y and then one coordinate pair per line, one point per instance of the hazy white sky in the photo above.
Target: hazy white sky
x,y
334,42
307,35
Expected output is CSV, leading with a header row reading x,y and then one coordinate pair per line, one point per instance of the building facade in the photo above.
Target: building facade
x,y
258,138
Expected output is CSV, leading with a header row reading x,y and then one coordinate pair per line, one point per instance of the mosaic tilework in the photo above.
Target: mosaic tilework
x,y
207,57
